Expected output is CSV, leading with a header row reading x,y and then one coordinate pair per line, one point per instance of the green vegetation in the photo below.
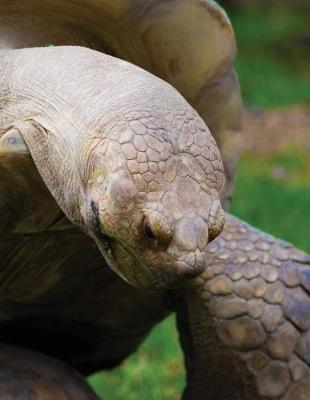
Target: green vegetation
x,y
280,206
272,67
273,59
154,372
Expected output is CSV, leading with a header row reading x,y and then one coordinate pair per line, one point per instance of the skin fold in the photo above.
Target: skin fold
x,y
105,167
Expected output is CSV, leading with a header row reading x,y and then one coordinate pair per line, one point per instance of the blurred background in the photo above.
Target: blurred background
x,y
273,185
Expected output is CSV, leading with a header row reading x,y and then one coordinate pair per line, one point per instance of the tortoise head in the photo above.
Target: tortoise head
x,y
129,161
153,189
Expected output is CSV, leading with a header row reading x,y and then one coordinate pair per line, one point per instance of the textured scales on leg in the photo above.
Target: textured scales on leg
x,y
249,319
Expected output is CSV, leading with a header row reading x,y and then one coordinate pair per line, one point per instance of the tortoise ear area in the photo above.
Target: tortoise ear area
x,y
121,194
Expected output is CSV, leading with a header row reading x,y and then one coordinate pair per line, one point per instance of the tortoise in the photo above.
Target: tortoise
x,y
110,198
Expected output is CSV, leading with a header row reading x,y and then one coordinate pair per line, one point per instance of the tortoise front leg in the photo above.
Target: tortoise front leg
x,y
245,327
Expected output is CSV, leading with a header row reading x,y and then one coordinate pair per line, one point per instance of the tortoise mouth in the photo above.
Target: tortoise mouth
x,y
103,241
105,246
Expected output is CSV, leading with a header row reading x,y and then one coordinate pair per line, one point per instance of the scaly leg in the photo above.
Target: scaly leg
x,y
245,322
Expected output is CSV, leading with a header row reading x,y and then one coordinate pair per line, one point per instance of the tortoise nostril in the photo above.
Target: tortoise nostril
x,y
157,229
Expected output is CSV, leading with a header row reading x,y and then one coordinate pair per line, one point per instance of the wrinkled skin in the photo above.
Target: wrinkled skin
x,y
244,321
137,188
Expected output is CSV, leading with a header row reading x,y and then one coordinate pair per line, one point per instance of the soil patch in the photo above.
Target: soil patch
x,y
267,132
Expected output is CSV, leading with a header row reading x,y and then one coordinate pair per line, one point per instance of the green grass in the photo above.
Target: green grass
x,y
272,64
154,372
280,206
273,60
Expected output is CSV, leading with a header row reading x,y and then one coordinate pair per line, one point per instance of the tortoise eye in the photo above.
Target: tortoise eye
x,y
147,230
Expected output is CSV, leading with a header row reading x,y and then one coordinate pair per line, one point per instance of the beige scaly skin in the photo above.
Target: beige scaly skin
x,y
125,143
38,291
